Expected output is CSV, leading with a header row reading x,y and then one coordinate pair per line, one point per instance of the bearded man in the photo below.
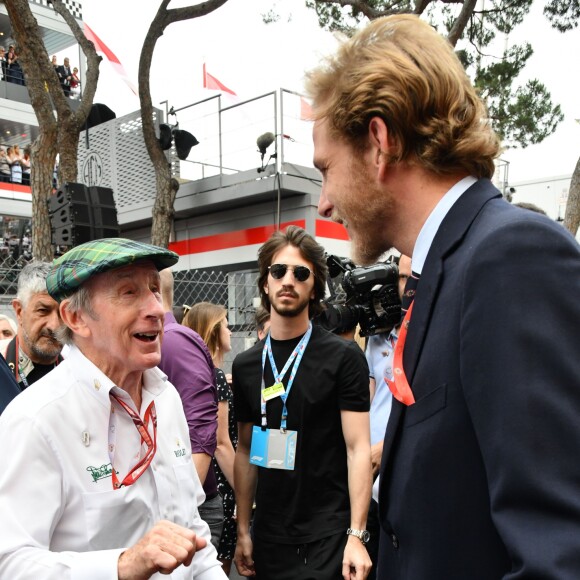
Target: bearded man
x,y
302,399
35,350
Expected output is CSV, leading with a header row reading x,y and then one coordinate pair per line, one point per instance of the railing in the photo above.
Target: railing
x,y
227,133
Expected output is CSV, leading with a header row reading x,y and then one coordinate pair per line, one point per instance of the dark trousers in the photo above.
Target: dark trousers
x,y
318,560
374,528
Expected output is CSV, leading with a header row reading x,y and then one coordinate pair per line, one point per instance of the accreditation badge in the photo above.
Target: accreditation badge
x,y
273,449
272,392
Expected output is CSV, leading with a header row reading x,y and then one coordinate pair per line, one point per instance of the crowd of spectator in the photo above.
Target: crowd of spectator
x,y
10,66
11,71
15,164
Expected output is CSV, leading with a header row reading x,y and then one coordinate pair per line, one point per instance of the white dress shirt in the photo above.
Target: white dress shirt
x,y
60,517
432,223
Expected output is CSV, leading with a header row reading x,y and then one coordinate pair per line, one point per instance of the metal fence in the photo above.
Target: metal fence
x,y
235,291
10,267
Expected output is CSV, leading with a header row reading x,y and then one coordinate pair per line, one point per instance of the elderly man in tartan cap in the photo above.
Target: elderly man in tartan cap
x,y
97,479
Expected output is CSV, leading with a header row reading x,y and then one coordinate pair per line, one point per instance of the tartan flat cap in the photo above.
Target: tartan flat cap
x,y
70,270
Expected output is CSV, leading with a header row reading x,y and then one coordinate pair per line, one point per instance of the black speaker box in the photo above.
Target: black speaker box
x,y
75,192
80,214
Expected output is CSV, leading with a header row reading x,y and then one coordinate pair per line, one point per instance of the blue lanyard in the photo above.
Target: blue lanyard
x,y
296,356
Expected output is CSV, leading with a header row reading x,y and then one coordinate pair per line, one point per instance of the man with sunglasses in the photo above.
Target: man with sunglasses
x,y
302,402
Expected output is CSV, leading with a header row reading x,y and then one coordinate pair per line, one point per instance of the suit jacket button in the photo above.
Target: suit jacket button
x,y
395,541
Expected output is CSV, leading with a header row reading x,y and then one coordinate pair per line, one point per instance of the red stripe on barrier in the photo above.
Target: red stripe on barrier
x,y
227,240
4,186
327,229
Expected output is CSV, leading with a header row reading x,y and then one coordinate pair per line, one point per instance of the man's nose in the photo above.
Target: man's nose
x,y
153,305
324,206
54,320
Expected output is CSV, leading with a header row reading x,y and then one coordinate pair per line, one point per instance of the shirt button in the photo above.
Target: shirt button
x,y
395,541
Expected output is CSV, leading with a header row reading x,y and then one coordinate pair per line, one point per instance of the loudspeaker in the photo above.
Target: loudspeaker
x,y
80,214
165,136
75,192
184,141
98,114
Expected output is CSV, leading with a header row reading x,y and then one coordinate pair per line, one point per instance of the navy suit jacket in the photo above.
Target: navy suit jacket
x,y
8,386
480,478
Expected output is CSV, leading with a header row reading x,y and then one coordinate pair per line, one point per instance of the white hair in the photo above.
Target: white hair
x,y
11,322
32,280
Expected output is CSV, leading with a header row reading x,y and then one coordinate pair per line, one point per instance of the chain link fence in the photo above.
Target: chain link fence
x,y
237,292
10,268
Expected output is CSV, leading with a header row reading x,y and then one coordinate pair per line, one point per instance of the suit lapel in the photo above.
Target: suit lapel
x,y
450,233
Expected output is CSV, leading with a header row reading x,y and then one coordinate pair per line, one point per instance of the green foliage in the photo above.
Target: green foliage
x,y
530,116
496,79
563,14
333,18
505,15
522,116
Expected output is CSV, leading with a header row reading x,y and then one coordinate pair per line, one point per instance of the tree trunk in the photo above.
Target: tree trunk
x,y
572,216
68,143
43,156
167,187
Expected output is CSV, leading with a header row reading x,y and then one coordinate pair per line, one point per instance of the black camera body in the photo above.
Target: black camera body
x,y
371,297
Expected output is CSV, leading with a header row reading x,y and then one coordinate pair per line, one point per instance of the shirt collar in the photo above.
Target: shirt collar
x,y
431,225
92,378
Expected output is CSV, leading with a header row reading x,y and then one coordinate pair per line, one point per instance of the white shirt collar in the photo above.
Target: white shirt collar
x,y
431,225
89,375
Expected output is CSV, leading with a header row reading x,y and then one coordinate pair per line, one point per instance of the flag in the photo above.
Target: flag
x,y
210,82
305,110
101,47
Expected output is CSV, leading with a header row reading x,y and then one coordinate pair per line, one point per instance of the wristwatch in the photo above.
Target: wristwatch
x,y
362,535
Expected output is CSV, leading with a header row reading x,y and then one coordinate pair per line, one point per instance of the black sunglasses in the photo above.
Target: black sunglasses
x,y
278,271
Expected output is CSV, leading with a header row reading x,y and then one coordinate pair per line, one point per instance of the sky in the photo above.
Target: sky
x,y
252,58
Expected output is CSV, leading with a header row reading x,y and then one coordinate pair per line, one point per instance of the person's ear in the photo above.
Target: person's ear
x,y
17,306
75,320
379,143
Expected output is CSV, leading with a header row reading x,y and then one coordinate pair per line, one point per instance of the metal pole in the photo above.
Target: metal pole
x,y
220,136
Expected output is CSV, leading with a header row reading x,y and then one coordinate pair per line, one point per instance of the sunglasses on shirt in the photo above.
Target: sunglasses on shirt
x,y
278,271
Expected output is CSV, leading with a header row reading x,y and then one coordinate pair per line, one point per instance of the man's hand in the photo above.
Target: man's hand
x,y
243,556
356,563
165,547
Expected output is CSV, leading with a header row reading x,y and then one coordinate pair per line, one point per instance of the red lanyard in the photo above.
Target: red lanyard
x,y
138,470
399,386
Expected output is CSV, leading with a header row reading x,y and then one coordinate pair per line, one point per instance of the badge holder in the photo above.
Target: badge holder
x,y
273,448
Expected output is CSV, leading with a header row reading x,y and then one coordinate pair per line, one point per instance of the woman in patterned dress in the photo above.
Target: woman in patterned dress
x,y
211,323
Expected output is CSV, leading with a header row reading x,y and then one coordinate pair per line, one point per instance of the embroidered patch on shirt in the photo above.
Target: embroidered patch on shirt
x,y
100,472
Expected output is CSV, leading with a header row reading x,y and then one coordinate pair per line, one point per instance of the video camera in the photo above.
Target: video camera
x,y
371,297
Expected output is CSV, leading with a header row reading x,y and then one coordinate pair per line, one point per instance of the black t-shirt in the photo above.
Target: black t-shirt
x,y
312,501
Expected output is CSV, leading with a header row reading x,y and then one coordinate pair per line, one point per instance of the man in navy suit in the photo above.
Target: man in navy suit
x,y
480,477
